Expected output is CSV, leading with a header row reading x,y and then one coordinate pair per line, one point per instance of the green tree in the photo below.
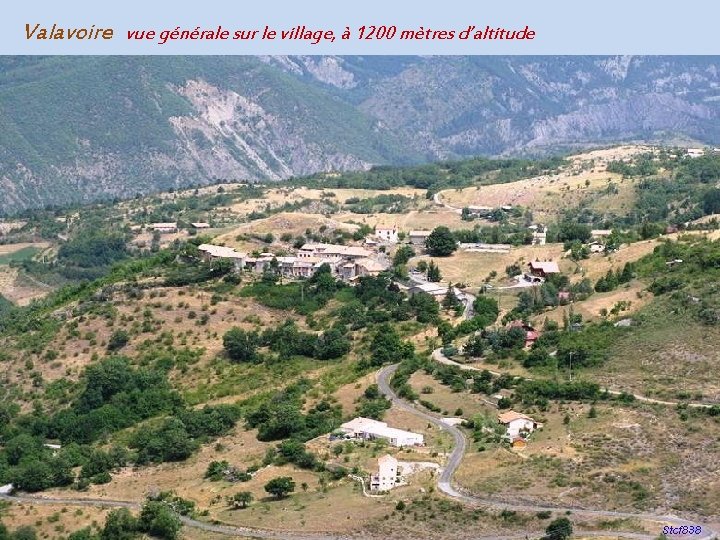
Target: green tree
x,y
81,534
441,242
711,201
159,520
403,255
118,340
475,347
280,486
559,529
26,532
242,499
33,476
120,524
387,347
485,310
241,345
433,272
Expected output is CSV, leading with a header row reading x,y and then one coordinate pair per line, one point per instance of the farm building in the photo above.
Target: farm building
x,y
368,429
517,423
211,252
164,227
543,268
417,238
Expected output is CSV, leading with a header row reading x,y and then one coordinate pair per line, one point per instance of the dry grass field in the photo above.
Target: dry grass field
x,y
53,522
285,222
472,268
626,458
547,195
18,288
426,219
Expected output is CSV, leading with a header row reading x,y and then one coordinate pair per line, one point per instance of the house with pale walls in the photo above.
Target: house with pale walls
x,y
517,423
388,474
389,236
211,252
369,429
539,238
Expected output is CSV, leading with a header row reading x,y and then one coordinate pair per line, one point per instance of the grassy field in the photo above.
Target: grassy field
x,y
19,252
665,357
585,179
472,268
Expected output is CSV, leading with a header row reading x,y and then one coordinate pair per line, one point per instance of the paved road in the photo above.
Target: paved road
x,y
458,452
438,356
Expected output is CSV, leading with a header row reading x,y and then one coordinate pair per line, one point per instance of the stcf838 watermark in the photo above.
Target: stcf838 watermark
x,y
682,530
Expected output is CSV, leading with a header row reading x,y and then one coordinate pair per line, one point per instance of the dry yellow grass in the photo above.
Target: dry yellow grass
x,y
546,195
186,478
571,463
274,198
472,268
284,222
634,294
444,398
53,521
19,289
412,220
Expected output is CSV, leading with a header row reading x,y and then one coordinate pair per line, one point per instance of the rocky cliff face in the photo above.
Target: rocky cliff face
x,y
76,129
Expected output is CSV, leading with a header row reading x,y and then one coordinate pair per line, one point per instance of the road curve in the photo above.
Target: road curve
x,y
456,456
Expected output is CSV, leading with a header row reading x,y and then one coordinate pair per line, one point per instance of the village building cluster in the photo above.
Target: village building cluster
x,y
345,262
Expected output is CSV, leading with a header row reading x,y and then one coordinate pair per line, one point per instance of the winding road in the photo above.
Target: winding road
x,y
445,485
458,452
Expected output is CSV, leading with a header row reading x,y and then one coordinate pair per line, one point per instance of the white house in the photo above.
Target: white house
x,y
200,225
387,235
387,475
539,238
368,429
516,423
